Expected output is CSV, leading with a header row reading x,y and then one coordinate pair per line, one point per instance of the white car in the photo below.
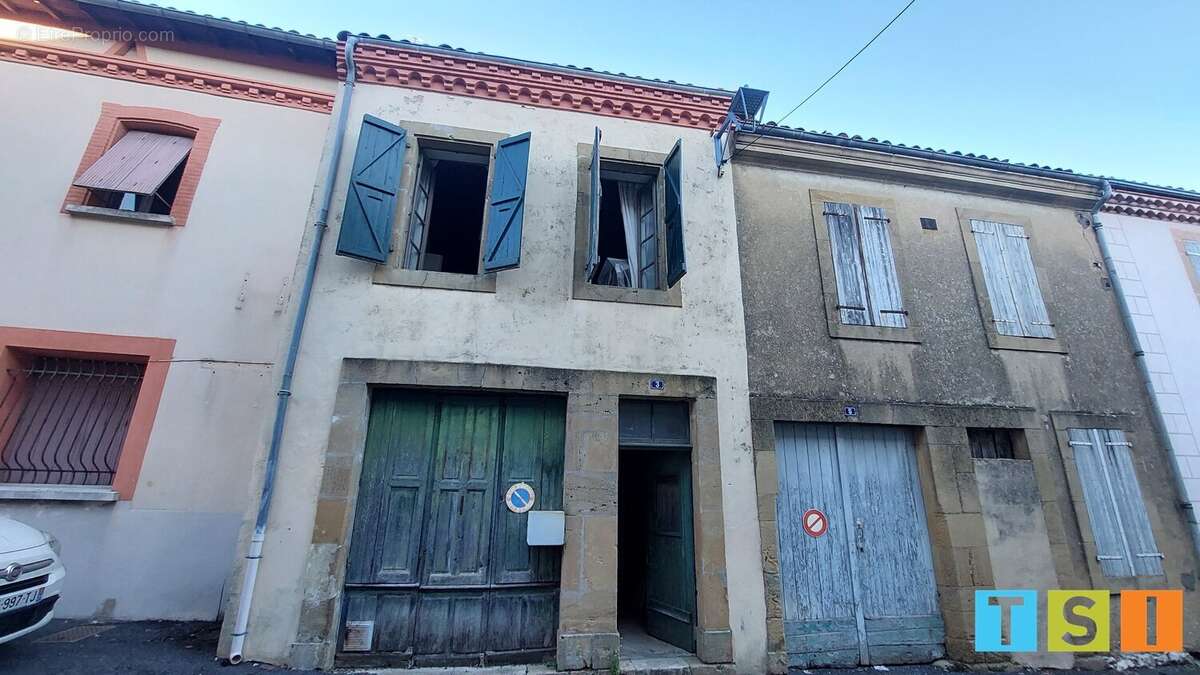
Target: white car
x,y
31,578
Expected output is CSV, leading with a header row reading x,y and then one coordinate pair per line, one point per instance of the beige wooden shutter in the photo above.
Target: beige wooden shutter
x,y
883,287
1031,308
996,277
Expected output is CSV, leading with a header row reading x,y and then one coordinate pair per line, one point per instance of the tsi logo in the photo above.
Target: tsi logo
x,y
1077,621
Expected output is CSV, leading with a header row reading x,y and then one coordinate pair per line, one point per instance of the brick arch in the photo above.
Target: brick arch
x,y
116,119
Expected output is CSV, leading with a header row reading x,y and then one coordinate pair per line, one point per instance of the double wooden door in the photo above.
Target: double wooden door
x,y
858,588
438,567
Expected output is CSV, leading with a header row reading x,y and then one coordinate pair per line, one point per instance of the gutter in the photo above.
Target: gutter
x,y
254,552
1139,356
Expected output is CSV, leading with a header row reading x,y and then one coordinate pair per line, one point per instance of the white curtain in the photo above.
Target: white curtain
x,y
629,218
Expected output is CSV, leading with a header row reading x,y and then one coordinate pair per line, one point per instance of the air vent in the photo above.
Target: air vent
x,y
928,224
358,636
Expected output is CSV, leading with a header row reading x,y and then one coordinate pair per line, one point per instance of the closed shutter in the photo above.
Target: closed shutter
x,y
883,288
1012,285
996,277
371,198
593,253
847,264
1030,307
647,237
673,215
414,243
506,208
1120,526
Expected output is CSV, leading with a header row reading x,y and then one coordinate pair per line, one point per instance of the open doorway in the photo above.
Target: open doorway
x,y
656,596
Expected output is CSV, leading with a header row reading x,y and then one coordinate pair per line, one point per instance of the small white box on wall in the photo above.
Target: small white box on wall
x,y
546,528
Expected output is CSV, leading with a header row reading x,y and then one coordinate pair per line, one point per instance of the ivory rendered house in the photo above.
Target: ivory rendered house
x,y
937,366
147,284
518,428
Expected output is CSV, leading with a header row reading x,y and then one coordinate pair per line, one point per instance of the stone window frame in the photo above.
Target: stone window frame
x,y
1181,237
581,289
829,291
1054,345
587,633
393,272
1061,422
115,120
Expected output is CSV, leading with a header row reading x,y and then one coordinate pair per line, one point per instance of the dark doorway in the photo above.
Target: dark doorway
x,y
656,561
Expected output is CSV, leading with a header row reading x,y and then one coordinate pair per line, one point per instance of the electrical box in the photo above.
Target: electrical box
x,y
546,528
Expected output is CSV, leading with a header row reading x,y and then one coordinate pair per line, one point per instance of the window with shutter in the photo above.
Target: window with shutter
x,y
140,172
1012,286
506,208
1125,543
366,231
673,215
864,265
1192,249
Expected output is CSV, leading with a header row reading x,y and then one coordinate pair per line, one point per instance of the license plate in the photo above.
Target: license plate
x,y
22,599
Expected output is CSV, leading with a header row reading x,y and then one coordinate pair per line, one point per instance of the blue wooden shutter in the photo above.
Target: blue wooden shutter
x,y
883,287
366,231
847,264
673,215
506,208
593,254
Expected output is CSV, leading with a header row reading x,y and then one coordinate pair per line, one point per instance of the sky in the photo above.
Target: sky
x,y
1107,87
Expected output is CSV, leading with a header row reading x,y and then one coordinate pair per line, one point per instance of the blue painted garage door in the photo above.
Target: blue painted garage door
x,y
863,591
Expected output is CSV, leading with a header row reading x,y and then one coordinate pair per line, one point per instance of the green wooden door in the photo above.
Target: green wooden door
x,y
670,558
438,566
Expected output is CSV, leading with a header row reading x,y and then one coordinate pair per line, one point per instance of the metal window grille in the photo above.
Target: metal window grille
x,y
64,420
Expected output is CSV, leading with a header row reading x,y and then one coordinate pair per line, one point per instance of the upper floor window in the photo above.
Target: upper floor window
x,y
466,201
1012,285
1192,249
140,172
1125,544
631,219
868,290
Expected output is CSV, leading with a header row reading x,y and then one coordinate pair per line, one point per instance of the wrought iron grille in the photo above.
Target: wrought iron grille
x,y
64,420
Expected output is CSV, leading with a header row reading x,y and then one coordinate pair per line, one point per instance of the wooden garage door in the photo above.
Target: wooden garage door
x,y
863,591
437,563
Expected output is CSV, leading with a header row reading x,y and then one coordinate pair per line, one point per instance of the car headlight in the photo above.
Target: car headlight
x,y
55,545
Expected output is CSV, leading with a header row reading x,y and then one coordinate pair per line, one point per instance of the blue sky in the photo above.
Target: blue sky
x,y
1098,86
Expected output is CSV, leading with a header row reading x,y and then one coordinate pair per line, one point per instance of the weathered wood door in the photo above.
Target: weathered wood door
x,y
863,592
670,559
438,567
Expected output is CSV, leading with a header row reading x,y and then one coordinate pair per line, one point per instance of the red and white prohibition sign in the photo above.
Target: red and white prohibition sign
x,y
815,522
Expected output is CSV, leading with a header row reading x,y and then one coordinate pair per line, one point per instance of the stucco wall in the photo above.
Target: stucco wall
x,y
1166,308
952,376
165,554
529,320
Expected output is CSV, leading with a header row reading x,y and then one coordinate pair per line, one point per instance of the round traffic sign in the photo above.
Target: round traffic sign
x,y
814,522
520,497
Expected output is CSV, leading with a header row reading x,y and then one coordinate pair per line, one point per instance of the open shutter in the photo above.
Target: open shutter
x,y
996,277
593,253
847,264
673,215
1118,455
371,198
1111,548
1192,248
647,238
418,223
1031,309
506,207
883,287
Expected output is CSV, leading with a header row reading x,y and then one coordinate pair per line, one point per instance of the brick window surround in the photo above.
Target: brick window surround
x,y
155,353
116,119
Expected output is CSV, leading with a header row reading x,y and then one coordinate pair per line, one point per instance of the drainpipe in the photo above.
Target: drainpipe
x,y
1139,355
254,553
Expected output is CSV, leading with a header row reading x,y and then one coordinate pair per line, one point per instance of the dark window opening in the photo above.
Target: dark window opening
x,y
448,208
997,444
610,244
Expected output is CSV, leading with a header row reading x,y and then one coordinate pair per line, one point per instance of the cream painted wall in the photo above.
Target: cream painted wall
x,y
166,553
530,320
1166,312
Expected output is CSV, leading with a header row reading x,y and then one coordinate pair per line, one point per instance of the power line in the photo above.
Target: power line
x,y
835,74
